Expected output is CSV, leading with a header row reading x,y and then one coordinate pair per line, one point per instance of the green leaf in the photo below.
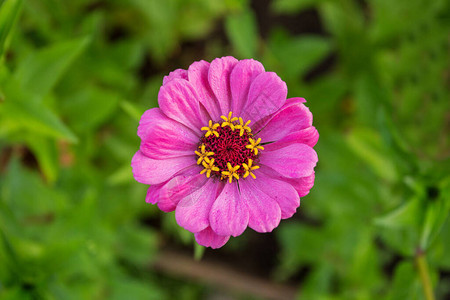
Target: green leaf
x,y
171,227
41,70
137,244
10,254
367,144
23,112
15,293
122,175
46,153
132,110
199,250
26,195
160,32
242,31
436,215
9,11
129,288
90,107
293,238
318,282
407,215
406,284
297,55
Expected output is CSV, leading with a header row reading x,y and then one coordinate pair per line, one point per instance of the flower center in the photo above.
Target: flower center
x,y
227,150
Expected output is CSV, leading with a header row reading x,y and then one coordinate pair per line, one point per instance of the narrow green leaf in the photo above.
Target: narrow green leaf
x,y
405,284
296,56
132,110
243,33
405,216
436,215
32,115
41,71
36,117
367,145
9,250
9,11
121,176
198,251
88,108
46,153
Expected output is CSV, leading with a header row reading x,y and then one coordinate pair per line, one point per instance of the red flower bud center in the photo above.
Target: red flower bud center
x,y
229,147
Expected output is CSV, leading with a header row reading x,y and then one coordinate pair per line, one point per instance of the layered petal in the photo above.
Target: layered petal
x,y
219,81
210,208
152,196
308,136
179,101
153,171
292,117
266,95
208,238
179,187
178,73
292,161
301,185
241,78
198,77
192,212
229,214
280,189
162,137
264,211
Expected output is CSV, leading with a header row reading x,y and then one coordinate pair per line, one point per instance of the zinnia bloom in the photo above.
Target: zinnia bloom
x,y
226,149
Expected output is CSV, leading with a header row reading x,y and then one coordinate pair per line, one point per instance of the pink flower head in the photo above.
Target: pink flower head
x,y
226,149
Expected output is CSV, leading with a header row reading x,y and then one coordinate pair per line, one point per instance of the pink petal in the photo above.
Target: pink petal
x,y
280,189
179,101
178,73
267,94
229,213
303,185
292,161
208,238
163,137
219,80
153,171
241,77
192,211
296,99
292,117
152,196
308,136
198,77
180,187
264,211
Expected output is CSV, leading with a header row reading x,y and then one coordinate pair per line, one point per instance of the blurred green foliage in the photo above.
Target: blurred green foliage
x,y
75,76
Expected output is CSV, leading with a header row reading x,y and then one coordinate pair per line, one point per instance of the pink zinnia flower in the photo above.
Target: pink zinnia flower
x,y
226,149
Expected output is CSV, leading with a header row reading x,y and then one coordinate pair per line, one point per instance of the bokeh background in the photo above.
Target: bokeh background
x,y
75,76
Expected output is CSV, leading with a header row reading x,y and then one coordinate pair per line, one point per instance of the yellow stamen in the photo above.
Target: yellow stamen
x,y
249,168
202,154
243,126
231,172
229,120
254,145
209,166
211,129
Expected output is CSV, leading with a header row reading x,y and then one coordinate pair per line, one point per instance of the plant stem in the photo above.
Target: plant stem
x,y
422,265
